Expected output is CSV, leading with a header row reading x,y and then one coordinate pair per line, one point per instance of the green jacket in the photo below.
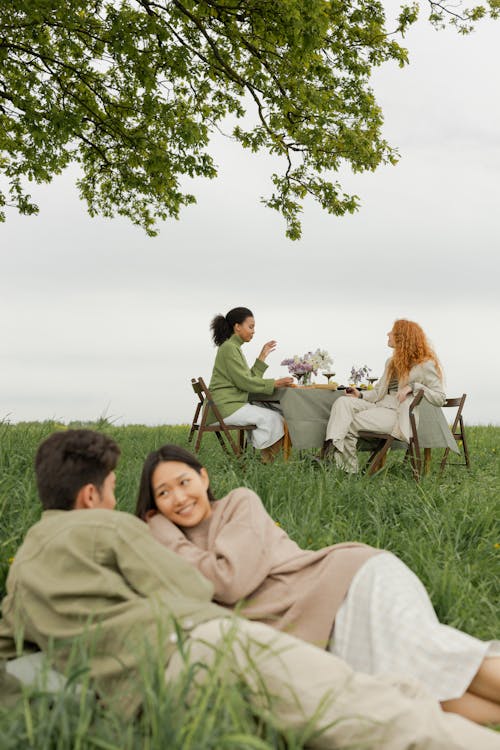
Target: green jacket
x,y
100,577
232,380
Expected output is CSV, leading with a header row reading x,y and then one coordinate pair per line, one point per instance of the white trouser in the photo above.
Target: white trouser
x,y
308,684
269,424
347,417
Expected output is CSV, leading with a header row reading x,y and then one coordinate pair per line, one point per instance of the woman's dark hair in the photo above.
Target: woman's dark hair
x,y
146,500
222,327
67,461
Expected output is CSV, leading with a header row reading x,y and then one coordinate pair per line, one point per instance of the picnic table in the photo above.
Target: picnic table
x,y
306,410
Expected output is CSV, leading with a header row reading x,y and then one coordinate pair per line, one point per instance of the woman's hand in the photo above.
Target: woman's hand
x,y
267,349
403,393
352,392
283,383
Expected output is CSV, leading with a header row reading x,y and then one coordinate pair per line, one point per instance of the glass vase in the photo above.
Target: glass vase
x,y
305,378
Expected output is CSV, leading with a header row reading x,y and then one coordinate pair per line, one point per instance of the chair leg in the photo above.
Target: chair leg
x,y
466,453
368,462
464,443
194,425
221,441
379,460
232,443
415,461
198,441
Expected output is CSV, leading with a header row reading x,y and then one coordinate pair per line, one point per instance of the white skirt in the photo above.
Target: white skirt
x,y
270,424
387,624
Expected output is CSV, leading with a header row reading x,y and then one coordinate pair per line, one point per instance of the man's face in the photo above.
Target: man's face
x,y
106,494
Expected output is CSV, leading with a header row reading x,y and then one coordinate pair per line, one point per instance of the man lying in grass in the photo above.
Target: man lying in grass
x,y
88,572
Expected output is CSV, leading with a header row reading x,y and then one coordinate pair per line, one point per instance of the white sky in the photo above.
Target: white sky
x,y
99,319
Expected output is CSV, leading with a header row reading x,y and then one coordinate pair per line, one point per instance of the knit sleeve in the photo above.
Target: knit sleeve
x,y
241,376
237,560
379,390
430,382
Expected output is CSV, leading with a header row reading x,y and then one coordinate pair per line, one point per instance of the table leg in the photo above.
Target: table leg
x,y
427,460
287,443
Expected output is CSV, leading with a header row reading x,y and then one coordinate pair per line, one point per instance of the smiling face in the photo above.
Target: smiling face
x,y
246,329
180,493
390,339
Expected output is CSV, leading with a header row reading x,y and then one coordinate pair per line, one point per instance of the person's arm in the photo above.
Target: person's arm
x,y
12,641
239,558
151,569
250,381
7,642
8,649
426,378
266,350
379,389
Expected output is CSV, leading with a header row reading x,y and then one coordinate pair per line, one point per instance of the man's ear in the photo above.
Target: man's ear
x,y
87,497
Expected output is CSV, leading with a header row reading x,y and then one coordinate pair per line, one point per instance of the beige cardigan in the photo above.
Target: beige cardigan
x,y
421,377
246,555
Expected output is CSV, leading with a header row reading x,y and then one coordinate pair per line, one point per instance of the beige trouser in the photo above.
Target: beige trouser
x,y
348,416
360,711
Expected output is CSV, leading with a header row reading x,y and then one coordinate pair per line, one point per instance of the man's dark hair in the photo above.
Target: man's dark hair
x,y
69,460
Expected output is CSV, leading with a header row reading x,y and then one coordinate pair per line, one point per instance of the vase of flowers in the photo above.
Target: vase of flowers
x,y
357,375
304,367
304,379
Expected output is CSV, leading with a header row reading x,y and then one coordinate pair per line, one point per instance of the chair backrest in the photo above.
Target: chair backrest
x,y
198,389
206,400
459,404
456,401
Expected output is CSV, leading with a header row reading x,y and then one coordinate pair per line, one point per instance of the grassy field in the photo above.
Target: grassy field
x,y
447,529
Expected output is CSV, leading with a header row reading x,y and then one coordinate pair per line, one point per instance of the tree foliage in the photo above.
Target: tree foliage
x,y
132,91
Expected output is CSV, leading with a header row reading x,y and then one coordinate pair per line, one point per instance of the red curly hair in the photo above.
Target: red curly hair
x,y
410,348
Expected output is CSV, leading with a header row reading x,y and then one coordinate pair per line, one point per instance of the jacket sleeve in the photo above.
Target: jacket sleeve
x,y
238,559
238,372
8,648
379,390
425,377
10,645
150,569
7,642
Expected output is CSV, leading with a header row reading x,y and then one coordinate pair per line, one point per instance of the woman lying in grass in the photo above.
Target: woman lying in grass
x,y
384,620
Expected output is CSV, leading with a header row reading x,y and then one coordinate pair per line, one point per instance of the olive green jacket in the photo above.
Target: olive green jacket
x,y
232,380
98,576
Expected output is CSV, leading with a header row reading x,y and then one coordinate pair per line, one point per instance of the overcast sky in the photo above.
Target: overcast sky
x,y
98,319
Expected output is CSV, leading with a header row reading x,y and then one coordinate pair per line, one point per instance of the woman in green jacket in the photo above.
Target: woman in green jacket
x,y
232,380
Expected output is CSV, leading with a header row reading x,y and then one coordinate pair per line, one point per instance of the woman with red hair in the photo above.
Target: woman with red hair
x,y
412,367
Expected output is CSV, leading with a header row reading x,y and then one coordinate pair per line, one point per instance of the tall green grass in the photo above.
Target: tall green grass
x,y
207,708
447,529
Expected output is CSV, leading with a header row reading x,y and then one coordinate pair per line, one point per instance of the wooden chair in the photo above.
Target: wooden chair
x,y
384,441
457,431
221,427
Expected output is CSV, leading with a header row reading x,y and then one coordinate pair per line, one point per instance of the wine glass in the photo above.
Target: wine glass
x,y
328,375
